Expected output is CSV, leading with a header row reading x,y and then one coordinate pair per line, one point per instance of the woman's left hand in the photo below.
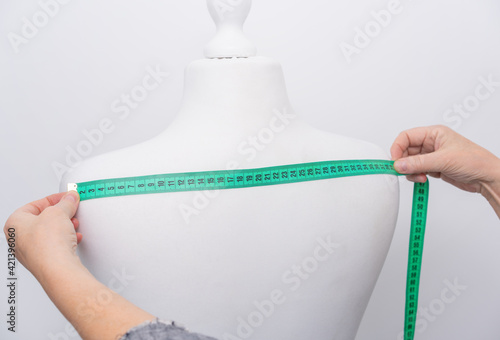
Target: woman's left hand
x,y
44,231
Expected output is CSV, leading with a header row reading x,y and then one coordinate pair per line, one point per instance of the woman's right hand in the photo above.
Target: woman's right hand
x,y
440,152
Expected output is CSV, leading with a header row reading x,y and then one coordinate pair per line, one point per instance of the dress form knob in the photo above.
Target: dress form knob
x,y
229,41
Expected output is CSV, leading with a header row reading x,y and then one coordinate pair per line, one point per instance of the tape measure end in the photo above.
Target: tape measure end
x,y
72,186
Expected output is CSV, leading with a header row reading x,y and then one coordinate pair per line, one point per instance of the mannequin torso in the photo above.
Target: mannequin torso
x,y
296,261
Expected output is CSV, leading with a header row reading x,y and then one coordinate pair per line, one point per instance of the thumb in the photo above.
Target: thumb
x,y
69,203
419,164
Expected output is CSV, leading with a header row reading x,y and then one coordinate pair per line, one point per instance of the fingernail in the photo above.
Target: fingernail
x,y
401,166
70,197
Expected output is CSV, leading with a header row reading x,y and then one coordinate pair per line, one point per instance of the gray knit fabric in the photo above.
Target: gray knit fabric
x,y
161,330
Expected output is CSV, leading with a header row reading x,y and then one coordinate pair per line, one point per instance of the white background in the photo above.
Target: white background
x,y
429,57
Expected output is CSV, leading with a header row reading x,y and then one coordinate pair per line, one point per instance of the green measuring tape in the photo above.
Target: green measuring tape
x,y
245,178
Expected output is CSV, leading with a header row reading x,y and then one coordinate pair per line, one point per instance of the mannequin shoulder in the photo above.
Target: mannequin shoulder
x,y
119,163
322,143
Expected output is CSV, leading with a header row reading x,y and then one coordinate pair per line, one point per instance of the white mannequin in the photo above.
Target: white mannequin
x,y
204,262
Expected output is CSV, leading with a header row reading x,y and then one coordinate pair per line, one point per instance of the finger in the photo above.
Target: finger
x,y
419,178
397,150
38,206
76,223
69,203
413,140
418,164
79,238
414,150
404,140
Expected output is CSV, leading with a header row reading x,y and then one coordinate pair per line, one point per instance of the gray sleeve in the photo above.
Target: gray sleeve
x,y
161,330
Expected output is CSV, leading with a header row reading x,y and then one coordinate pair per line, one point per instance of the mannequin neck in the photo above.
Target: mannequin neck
x,y
233,91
